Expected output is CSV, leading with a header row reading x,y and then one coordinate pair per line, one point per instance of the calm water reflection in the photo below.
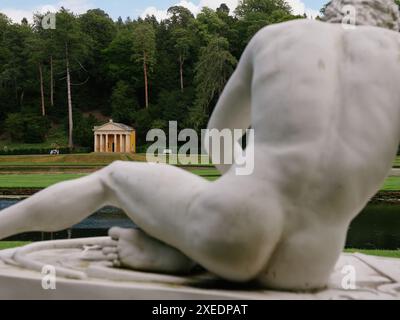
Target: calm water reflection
x,y
377,227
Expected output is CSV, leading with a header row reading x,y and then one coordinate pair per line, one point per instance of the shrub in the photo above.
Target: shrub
x,y
83,130
28,128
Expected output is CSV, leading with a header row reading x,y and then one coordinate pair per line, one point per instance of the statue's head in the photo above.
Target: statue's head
x,y
379,13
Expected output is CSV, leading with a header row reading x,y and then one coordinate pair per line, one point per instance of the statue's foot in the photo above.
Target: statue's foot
x,y
133,249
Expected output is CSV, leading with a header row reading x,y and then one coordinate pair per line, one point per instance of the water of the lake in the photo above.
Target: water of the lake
x,y
377,227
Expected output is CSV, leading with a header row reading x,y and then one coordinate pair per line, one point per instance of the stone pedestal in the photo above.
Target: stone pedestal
x,y
82,274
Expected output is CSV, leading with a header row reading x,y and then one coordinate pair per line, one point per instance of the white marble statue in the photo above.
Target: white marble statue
x,y
324,102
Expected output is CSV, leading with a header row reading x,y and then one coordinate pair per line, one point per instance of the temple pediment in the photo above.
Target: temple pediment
x,y
113,126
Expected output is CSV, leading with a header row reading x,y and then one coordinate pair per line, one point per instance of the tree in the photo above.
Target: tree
x,y
144,47
180,24
123,103
183,43
223,9
14,71
266,7
215,66
209,25
256,14
43,46
174,106
75,44
101,29
37,47
179,16
117,57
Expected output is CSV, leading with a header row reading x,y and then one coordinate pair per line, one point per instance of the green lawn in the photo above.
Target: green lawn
x,y
88,159
95,159
34,180
45,180
392,184
381,253
205,172
397,162
11,244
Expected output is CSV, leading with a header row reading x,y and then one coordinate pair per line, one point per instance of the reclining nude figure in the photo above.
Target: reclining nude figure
x,y
324,102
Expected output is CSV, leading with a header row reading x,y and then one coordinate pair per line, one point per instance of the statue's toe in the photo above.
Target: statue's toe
x,y
110,250
115,233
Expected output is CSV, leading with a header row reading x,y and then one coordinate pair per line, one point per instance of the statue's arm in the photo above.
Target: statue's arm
x,y
234,106
233,110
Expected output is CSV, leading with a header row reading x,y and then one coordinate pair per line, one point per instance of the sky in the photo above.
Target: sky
x,y
18,9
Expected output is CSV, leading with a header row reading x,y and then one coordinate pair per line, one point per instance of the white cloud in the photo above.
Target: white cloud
x,y
232,4
163,14
17,15
76,6
297,5
153,11
189,5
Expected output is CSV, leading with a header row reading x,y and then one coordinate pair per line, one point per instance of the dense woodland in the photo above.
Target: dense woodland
x,y
140,72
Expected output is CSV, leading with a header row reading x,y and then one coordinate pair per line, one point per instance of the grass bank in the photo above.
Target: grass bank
x,y
11,244
94,159
48,179
392,184
34,180
84,159
397,162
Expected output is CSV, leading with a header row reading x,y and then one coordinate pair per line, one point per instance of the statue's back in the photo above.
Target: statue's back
x,y
326,107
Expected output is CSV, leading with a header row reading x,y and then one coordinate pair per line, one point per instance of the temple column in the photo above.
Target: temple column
x,y
101,142
115,143
106,149
127,143
121,147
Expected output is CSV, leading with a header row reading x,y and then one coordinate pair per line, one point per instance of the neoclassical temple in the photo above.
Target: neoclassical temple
x,y
114,137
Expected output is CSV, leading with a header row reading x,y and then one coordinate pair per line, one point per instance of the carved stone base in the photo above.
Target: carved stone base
x,y
82,274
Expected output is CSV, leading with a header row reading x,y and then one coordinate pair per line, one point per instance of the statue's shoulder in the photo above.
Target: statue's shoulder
x,y
303,29
289,33
289,29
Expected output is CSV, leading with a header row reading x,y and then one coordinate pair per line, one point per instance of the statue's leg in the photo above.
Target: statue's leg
x,y
56,208
220,225
211,223
68,203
